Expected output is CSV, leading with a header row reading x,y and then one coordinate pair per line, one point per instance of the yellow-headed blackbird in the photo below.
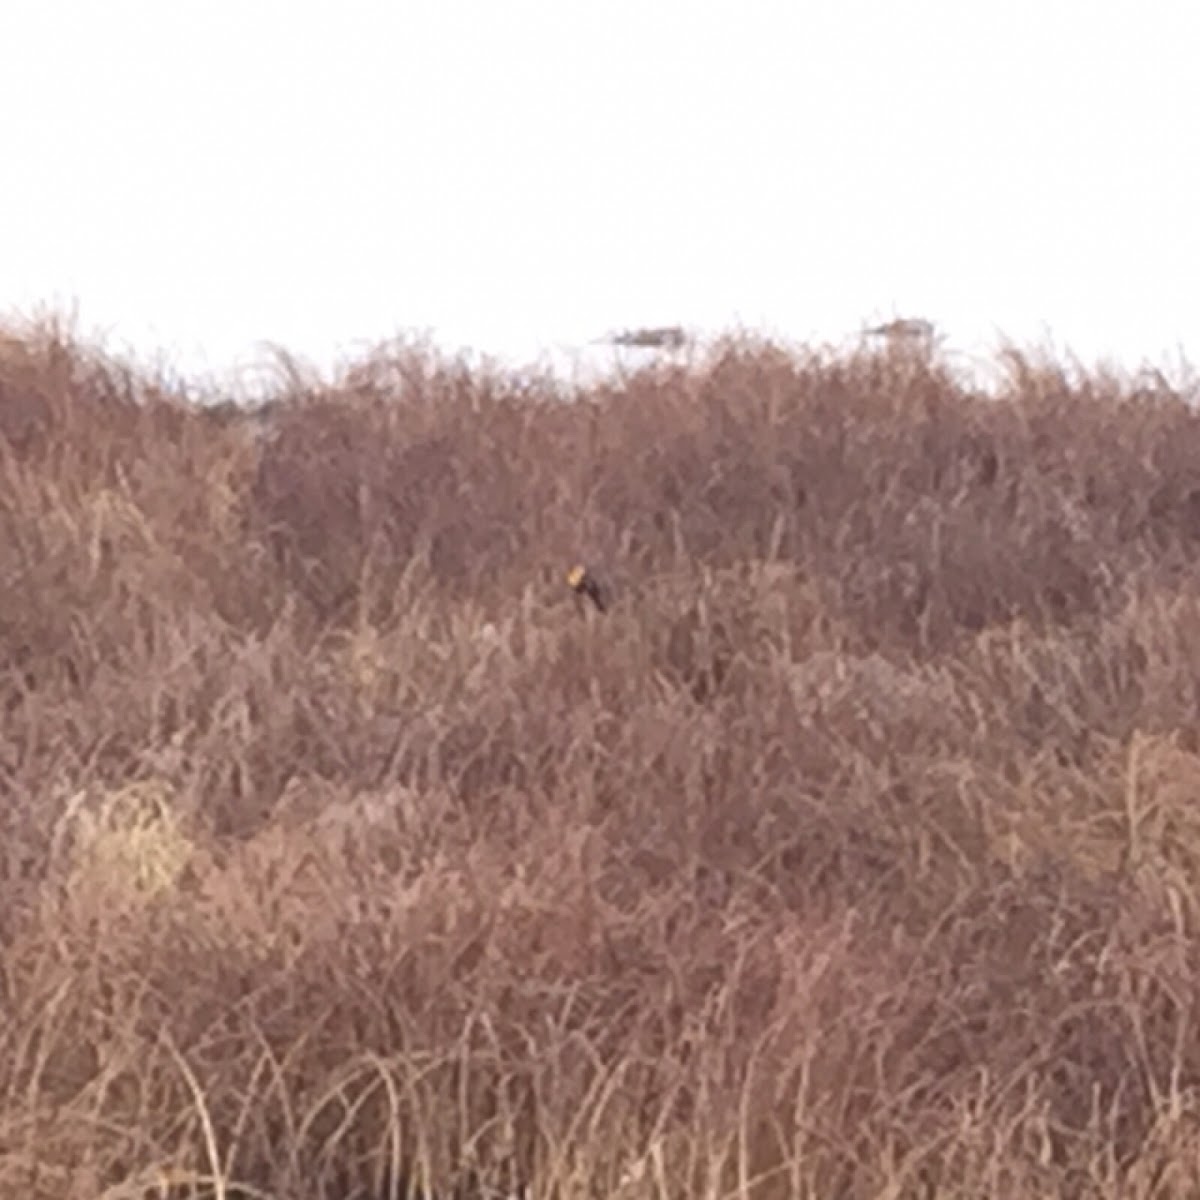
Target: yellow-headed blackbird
x,y
581,580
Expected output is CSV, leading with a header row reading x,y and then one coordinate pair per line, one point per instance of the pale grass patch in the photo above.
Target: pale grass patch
x,y
121,848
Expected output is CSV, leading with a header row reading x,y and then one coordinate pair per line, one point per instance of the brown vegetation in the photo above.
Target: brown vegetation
x,y
852,851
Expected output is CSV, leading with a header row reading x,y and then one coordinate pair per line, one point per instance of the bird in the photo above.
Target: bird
x,y
903,328
584,583
664,337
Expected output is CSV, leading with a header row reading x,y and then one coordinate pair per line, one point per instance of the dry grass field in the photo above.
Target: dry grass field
x,y
853,851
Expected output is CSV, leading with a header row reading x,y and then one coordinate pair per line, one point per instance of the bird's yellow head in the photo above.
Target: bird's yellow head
x,y
575,577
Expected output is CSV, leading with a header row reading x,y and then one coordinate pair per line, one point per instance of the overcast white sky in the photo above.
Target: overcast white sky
x,y
200,177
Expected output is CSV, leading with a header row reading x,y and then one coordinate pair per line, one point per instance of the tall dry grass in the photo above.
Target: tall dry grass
x,y
854,852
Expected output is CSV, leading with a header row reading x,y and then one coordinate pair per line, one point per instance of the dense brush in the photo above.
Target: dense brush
x,y
848,847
